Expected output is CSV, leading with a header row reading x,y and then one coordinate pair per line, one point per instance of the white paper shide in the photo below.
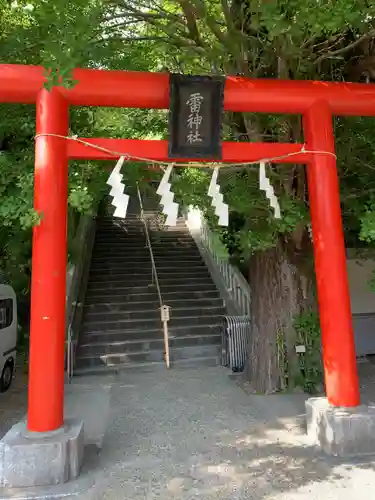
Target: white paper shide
x,y
120,199
265,185
169,207
221,208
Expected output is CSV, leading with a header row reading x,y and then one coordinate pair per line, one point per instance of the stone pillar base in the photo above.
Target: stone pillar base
x,y
339,431
36,459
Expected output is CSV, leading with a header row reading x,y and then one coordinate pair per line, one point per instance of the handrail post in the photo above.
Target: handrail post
x,y
69,354
165,316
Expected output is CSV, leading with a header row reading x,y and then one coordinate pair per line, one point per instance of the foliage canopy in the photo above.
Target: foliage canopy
x,y
284,39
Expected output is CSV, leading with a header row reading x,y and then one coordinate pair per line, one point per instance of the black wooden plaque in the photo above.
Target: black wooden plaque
x,y
195,117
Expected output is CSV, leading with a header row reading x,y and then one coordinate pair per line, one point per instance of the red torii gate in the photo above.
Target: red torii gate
x,y
316,101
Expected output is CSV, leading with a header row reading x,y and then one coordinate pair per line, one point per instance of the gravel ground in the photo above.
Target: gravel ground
x,y
196,434
13,404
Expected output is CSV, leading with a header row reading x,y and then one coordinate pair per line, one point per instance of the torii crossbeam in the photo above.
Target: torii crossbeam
x,y
316,101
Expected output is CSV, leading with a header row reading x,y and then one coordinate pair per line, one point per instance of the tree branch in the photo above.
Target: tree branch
x,y
140,16
227,14
201,11
186,36
345,49
134,39
147,16
191,21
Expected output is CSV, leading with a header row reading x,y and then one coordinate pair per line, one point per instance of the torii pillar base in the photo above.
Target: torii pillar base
x,y
343,432
30,459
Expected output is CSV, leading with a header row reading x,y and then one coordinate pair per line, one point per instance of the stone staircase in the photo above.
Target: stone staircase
x,y
121,322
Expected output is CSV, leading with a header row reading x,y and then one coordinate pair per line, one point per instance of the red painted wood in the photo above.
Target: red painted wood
x,y
341,378
316,100
19,83
158,150
48,285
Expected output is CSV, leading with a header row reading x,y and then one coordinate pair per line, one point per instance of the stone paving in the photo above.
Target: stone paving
x,y
195,434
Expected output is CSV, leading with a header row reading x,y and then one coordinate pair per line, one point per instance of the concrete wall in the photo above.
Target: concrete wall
x,y
362,302
359,274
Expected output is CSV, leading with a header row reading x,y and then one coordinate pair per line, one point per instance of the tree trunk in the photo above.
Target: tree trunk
x,y
281,284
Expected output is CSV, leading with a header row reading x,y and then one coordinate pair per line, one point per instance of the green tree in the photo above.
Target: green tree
x,y
282,39
23,34
48,34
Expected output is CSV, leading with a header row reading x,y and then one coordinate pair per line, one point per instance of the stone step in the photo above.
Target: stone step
x,y
100,298
123,238
134,221
120,229
175,304
120,241
145,261
183,290
165,259
139,226
176,354
149,215
101,348
166,285
92,315
136,275
117,223
124,246
141,256
204,327
119,234
120,237
129,272
99,325
137,229
148,367
141,243
172,240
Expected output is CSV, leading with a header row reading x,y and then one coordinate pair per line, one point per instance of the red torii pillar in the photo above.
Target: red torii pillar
x,y
49,261
340,367
317,101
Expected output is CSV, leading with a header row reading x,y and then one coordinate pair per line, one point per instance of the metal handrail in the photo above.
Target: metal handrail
x,y
83,266
164,309
235,284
